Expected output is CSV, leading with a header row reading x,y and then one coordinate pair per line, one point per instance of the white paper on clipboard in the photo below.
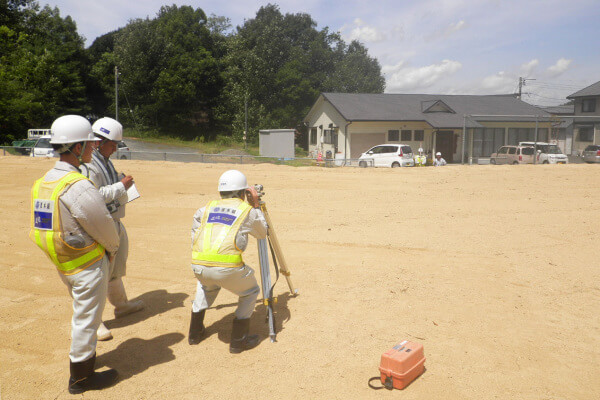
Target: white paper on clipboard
x,y
132,193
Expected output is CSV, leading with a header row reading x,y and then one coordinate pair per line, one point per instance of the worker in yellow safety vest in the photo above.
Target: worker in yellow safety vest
x,y
113,189
70,223
219,237
420,159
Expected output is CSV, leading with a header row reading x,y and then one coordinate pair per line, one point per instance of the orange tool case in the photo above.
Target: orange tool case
x,y
402,364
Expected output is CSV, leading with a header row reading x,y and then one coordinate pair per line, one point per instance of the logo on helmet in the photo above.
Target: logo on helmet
x,y
102,129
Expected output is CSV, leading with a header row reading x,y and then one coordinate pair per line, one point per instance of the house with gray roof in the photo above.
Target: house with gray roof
x,y
344,125
561,131
586,121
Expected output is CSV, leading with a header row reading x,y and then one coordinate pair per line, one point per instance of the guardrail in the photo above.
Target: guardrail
x,y
209,158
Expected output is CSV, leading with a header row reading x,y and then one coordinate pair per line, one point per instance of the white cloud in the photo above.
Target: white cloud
x,y
561,66
401,77
448,31
362,32
499,83
528,67
455,27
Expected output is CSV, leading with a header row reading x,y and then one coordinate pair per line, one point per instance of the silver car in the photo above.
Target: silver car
x,y
591,154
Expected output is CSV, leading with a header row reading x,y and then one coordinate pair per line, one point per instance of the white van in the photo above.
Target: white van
x,y
42,148
388,155
547,153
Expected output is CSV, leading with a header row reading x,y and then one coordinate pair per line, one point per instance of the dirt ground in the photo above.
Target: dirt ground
x,y
494,269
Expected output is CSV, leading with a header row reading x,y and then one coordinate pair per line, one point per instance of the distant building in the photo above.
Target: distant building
x,y
561,132
348,124
586,124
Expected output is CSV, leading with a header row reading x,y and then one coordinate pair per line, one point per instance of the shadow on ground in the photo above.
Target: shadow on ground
x,y
156,301
137,355
258,324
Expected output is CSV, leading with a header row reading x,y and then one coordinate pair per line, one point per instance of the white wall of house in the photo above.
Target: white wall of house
x,y
326,114
381,131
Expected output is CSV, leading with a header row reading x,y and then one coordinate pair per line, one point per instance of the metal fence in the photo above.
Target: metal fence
x,y
209,158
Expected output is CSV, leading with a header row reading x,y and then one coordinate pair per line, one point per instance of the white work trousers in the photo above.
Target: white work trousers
x,y
88,290
240,281
118,267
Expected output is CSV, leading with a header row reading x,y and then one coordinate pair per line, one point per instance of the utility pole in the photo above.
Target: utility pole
x,y
245,119
116,93
521,84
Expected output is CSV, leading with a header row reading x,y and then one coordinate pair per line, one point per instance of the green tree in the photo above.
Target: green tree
x,y
168,71
279,64
41,67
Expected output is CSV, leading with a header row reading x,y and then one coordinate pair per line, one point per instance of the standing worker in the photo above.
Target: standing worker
x,y
71,224
439,161
103,174
219,237
420,159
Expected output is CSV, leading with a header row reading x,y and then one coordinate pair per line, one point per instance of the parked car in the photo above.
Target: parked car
x,y
42,148
388,155
513,155
591,154
547,153
123,152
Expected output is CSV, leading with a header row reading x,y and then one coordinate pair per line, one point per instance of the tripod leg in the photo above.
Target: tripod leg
x,y
265,277
275,243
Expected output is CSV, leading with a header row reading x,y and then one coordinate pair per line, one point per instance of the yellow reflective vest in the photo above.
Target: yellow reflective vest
x,y
214,241
46,230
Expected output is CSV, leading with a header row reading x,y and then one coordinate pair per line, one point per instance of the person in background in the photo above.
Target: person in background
x,y
113,189
420,159
71,225
219,237
439,161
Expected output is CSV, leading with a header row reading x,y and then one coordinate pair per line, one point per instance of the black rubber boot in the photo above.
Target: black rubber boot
x,y
197,329
240,340
84,378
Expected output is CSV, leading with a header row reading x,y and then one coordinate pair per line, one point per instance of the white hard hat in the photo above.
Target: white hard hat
x,y
108,128
71,129
420,149
232,180
438,154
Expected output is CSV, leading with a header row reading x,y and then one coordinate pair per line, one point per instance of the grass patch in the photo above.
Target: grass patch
x,y
217,146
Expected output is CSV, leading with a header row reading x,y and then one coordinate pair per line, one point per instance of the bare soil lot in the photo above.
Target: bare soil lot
x,y
494,269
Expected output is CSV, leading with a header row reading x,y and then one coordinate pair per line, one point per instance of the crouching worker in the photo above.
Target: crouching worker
x,y
71,224
219,237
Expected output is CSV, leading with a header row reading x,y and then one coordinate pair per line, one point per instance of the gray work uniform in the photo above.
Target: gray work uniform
x,y
439,163
238,280
85,219
102,172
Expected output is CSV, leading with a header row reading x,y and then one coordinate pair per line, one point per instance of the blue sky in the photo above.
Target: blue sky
x,y
425,46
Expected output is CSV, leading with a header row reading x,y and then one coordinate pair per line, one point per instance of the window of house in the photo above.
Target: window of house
x,y
327,136
586,134
486,141
406,135
588,105
313,136
419,135
393,136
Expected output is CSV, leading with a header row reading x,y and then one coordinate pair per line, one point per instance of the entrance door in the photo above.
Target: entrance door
x,y
444,143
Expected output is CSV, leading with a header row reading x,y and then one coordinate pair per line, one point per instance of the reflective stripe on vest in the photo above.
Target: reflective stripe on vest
x,y
46,230
214,244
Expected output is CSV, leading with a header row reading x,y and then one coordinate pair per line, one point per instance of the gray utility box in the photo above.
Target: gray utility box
x,y
276,143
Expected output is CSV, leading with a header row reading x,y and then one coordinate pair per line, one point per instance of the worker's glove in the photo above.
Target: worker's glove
x,y
252,197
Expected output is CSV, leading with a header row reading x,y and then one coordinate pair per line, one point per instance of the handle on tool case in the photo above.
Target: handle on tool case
x,y
389,384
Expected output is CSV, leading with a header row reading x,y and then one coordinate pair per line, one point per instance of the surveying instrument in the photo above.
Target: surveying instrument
x,y
256,194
